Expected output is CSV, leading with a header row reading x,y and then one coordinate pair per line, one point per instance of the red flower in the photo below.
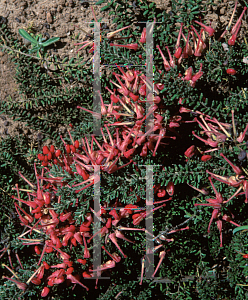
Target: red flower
x,y
129,46
209,29
166,63
232,39
19,284
143,36
236,169
190,151
231,71
197,76
178,52
162,256
170,188
206,157
188,74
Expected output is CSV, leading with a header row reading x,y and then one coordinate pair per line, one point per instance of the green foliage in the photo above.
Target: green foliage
x,y
187,11
37,42
194,267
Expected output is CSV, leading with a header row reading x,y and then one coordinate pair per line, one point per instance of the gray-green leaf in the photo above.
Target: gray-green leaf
x,y
240,228
50,41
27,36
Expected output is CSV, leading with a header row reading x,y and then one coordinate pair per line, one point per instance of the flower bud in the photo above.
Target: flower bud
x,y
231,71
170,188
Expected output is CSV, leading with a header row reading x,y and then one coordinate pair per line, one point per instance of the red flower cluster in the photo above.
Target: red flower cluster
x,y
126,118
217,204
62,233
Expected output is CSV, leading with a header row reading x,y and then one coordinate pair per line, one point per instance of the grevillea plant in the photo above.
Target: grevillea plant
x,y
217,204
130,133
222,135
218,134
136,125
58,234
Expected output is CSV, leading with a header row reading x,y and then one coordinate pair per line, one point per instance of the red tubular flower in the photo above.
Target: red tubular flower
x,y
57,153
45,291
134,97
170,188
20,285
143,36
41,157
200,44
236,169
29,203
84,228
234,29
219,225
208,29
41,272
78,237
74,280
46,265
214,216
190,151
121,236
86,274
206,157
142,90
240,139
114,241
172,63
23,220
124,89
232,39
37,250
82,261
184,110
245,188
162,256
161,192
228,219
114,214
231,71
142,270
188,74
36,281
187,50
86,251
207,142
166,63
64,217
143,152
109,223
45,150
178,52
197,76
60,266
129,46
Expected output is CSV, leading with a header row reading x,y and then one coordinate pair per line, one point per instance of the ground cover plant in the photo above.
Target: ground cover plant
x,y
171,151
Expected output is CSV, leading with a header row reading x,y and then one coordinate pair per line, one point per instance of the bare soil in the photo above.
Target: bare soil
x,y
66,19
